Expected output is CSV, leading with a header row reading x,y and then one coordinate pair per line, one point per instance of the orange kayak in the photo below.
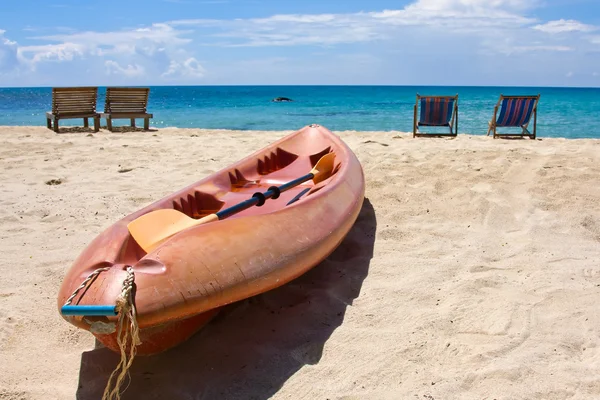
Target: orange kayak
x,y
181,284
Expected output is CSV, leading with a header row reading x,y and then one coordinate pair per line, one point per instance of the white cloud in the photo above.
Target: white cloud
x,y
464,4
5,40
128,52
112,67
562,25
50,52
488,8
533,48
460,15
473,33
595,39
569,74
280,30
8,53
190,68
147,40
288,30
159,33
333,29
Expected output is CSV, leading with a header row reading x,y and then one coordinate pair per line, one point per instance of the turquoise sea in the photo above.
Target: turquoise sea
x,y
562,112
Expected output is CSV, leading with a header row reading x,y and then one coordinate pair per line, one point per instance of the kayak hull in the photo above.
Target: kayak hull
x,y
156,339
181,284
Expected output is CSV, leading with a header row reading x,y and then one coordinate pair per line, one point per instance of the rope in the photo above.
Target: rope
x,y
85,282
125,332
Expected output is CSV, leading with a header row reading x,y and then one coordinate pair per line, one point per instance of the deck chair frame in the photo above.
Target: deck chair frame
x,y
72,103
525,132
453,124
126,103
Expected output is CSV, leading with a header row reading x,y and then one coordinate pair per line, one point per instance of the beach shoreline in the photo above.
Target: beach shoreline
x,y
175,130
561,111
471,273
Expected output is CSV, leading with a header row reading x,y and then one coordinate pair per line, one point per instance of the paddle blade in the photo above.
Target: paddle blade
x,y
153,228
323,168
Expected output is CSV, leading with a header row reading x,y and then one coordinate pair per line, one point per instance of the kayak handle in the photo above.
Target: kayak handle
x,y
89,310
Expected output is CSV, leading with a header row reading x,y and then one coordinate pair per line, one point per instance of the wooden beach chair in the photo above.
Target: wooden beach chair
x,y
516,112
126,103
436,111
73,102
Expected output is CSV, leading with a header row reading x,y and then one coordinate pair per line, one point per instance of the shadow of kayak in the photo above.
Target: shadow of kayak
x,y
253,346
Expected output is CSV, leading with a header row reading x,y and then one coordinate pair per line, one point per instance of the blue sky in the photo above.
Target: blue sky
x,y
274,42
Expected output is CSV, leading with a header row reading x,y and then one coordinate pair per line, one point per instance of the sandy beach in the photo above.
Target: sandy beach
x,y
472,272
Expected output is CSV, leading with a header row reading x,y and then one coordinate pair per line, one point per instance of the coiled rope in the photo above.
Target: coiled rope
x,y
85,283
127,332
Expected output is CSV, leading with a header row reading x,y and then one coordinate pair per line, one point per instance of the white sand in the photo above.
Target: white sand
x,y
473,272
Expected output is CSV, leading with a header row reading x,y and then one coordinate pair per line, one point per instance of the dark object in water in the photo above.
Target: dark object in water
x,y
279,99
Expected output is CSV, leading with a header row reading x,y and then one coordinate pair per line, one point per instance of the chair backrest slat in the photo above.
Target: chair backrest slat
x,y
126,100
516,110
74,100
436,110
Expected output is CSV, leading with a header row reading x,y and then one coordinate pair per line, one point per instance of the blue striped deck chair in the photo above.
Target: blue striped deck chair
x,y
515,112
436,111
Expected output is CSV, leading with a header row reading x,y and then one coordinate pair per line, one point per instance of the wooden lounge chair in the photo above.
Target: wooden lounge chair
x,y
516,112
436,111
126,103
73,102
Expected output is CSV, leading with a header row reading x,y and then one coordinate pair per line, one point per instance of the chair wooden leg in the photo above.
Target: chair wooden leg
x,y
146,124
415,121
49,123
534,122
109,124
56,125
456,122
492,123
86,123
96,124
133,122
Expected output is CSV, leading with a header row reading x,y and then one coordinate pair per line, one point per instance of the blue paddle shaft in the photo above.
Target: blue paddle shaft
x,y
89,310
296,182
237,208
258,197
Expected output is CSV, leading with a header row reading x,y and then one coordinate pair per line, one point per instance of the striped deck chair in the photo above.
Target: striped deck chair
x,y
436,111
516,112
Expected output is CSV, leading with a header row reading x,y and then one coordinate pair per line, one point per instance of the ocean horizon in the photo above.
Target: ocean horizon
x,y
569,112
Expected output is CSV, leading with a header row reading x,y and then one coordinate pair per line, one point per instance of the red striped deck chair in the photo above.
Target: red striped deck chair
x,y
436,111
515,112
